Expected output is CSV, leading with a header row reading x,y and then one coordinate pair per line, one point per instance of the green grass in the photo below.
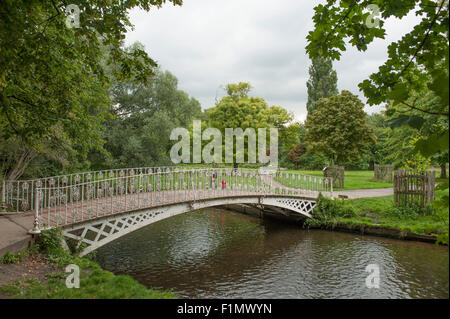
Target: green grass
x,y
94,281
352,179
383,212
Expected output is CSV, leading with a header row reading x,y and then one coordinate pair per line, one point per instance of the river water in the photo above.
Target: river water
x,y
221,254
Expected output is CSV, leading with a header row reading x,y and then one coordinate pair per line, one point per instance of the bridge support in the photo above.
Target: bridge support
x,y
100,231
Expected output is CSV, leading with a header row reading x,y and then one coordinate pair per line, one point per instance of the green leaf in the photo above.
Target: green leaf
x,y
433,144
413,121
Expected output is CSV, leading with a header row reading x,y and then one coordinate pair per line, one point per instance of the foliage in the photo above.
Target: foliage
x,y
53,85
338,128
311,161
418,60
328,210
238,110
415,77
10,258
322,82
139,135
295,153
416,161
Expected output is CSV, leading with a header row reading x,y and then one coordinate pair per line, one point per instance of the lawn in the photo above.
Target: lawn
x,y
352,179
383,212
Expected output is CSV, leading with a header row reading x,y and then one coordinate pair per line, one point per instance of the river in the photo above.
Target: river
x,y
221,254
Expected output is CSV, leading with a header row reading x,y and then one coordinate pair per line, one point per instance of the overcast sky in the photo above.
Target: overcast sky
x,y
209,43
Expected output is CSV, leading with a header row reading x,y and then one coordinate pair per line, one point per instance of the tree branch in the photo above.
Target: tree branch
x,y
424,111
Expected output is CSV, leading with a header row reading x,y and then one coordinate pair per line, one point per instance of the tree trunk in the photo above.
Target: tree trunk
x,y
443,171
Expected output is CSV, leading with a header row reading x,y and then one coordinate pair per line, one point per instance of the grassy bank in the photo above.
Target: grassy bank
x,y
352,179
382,213
94,281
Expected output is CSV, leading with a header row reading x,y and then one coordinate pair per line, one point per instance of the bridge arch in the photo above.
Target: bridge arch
x,y
96,233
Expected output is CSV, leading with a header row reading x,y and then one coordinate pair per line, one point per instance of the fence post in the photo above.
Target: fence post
x,y
36,229
3,207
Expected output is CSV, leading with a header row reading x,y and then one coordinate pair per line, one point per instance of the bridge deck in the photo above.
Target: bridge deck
x,y
76,212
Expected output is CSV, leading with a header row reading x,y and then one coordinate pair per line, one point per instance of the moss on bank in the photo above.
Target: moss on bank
x,y
94,281
380,216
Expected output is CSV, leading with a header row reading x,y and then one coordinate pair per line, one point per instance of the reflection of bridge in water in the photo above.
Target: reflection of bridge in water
x,y
95,208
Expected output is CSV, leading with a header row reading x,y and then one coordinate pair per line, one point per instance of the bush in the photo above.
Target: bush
x,y
312,161
412,211
10,258
328,210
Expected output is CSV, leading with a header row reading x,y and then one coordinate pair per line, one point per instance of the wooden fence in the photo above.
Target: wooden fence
x,y
383,173
413,187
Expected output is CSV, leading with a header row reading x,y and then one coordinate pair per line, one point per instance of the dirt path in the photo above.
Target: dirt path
x,y
365,193
31,267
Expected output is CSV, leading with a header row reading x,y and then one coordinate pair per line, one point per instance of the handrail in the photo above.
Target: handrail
x,y
20,195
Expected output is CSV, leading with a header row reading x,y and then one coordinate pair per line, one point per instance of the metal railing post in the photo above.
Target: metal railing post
x,y
36,229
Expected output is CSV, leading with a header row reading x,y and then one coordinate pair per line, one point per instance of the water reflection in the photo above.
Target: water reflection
x,y
219,254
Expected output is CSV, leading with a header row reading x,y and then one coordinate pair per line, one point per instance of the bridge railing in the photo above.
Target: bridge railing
x,y
60,205
19,195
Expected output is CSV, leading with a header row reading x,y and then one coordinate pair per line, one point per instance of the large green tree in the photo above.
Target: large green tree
x,y
53,88
417,63
139,134
338,128
238,110
322,81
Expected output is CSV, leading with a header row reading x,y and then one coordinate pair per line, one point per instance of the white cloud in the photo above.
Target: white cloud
x,y
209,43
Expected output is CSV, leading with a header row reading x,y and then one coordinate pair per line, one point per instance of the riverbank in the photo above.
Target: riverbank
x,y
378,216
38,273
381,217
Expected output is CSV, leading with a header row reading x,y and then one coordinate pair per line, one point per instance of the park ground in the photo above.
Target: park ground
x,y
38,272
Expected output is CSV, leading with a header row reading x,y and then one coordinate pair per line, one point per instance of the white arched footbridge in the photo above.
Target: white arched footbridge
x,y
96,208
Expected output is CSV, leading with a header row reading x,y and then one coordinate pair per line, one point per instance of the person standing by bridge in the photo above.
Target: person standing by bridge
x,y
213,180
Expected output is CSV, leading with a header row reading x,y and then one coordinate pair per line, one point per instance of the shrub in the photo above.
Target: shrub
x,y
10,258
328,210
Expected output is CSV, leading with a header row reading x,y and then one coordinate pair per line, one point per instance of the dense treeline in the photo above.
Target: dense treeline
x,y
77,99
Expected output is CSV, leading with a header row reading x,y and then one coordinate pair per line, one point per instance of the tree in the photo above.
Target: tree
x,y
338,128
322,81
238,110
53,88
139,135
295,153
417,63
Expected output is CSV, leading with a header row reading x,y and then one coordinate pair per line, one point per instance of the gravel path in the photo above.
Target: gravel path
x,y
366,193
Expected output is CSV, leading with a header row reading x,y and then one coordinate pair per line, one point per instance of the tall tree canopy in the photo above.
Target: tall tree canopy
x,y
417,63
139,135
322,81
238,110
338,128
52,80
